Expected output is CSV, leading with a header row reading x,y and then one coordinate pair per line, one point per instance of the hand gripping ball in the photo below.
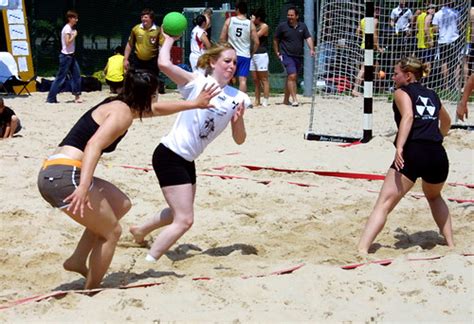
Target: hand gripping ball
x,y
174,23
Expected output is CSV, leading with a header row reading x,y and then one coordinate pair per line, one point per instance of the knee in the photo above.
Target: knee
x,y
14,119
292,77
185,223
127,205
115,233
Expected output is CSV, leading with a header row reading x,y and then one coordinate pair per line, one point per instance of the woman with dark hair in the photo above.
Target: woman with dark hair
x,y
193,130
199,40
422,123
260,60
67,181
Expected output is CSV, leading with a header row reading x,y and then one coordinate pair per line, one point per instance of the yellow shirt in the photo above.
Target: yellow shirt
x,y
421,35
362,29
145,41
115,68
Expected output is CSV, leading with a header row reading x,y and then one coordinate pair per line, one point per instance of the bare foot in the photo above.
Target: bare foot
x,y
78,100
138,236
71,265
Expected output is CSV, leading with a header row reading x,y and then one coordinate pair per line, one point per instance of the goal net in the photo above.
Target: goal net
x,y
435,33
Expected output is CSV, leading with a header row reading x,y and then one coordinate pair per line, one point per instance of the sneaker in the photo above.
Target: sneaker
x,y
295,104
265,102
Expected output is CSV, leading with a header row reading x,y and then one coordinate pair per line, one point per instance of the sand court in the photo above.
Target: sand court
x,y
248,224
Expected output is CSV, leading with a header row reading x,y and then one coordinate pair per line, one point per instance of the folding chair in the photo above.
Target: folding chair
x,y
14,81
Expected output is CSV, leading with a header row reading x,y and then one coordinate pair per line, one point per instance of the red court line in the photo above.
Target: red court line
x,y
386,262
350,175
60,293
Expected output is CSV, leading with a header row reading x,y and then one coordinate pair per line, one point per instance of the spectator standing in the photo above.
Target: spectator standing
x,y
199,40
9,122
288,44
445,22
141,51
401,20
259,62
67,61
114,72
240,32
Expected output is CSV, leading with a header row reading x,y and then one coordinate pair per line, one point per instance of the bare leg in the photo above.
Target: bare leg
x,y
256,81
394,187
243,84
120,205
77,261
263,76
163,218
439,210
292,86
180,198
286,97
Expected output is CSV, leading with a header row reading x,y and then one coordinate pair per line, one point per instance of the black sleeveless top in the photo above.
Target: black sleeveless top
x,y
84,129
426,106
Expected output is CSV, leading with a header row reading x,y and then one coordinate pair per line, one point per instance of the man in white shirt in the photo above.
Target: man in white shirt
x,y
445,23
401,19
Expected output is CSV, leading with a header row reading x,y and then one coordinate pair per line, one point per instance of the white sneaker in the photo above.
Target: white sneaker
x,y
265,102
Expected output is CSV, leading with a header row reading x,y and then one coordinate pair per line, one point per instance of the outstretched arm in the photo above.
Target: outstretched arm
x,y
202,101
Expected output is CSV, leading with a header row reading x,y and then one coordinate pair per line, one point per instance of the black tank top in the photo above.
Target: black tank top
x,y
263,40
426,106
84,129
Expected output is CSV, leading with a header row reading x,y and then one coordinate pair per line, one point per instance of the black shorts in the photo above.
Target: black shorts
x,y
171,169
426,160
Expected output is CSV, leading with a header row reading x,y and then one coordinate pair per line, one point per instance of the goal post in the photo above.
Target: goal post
x,y
358,43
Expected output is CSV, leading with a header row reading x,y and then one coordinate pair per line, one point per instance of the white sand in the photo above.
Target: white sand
x,y
242,228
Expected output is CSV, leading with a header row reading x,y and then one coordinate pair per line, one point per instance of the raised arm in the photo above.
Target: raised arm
x,y
174,72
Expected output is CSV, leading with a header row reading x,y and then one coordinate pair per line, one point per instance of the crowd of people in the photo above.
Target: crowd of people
x,y
66,179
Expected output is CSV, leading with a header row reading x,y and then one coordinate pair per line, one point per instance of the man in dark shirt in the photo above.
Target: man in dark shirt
x,y
288,45
9,122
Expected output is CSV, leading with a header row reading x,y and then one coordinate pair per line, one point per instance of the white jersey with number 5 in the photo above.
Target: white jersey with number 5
x,y
194,129
239,36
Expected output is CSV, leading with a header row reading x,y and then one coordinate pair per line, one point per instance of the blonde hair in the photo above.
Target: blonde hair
x,y
212,55
415,66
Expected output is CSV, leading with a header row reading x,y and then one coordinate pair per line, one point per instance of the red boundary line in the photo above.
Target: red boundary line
x,y
386,262
60,293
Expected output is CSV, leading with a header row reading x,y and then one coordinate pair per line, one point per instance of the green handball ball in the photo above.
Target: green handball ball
x,y
174,23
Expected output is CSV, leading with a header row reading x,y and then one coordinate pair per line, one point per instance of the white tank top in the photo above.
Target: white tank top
x,y
194,129
239,36
197,46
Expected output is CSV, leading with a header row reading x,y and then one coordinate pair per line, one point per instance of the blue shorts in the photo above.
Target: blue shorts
x,y
426,55
243,66
292,64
